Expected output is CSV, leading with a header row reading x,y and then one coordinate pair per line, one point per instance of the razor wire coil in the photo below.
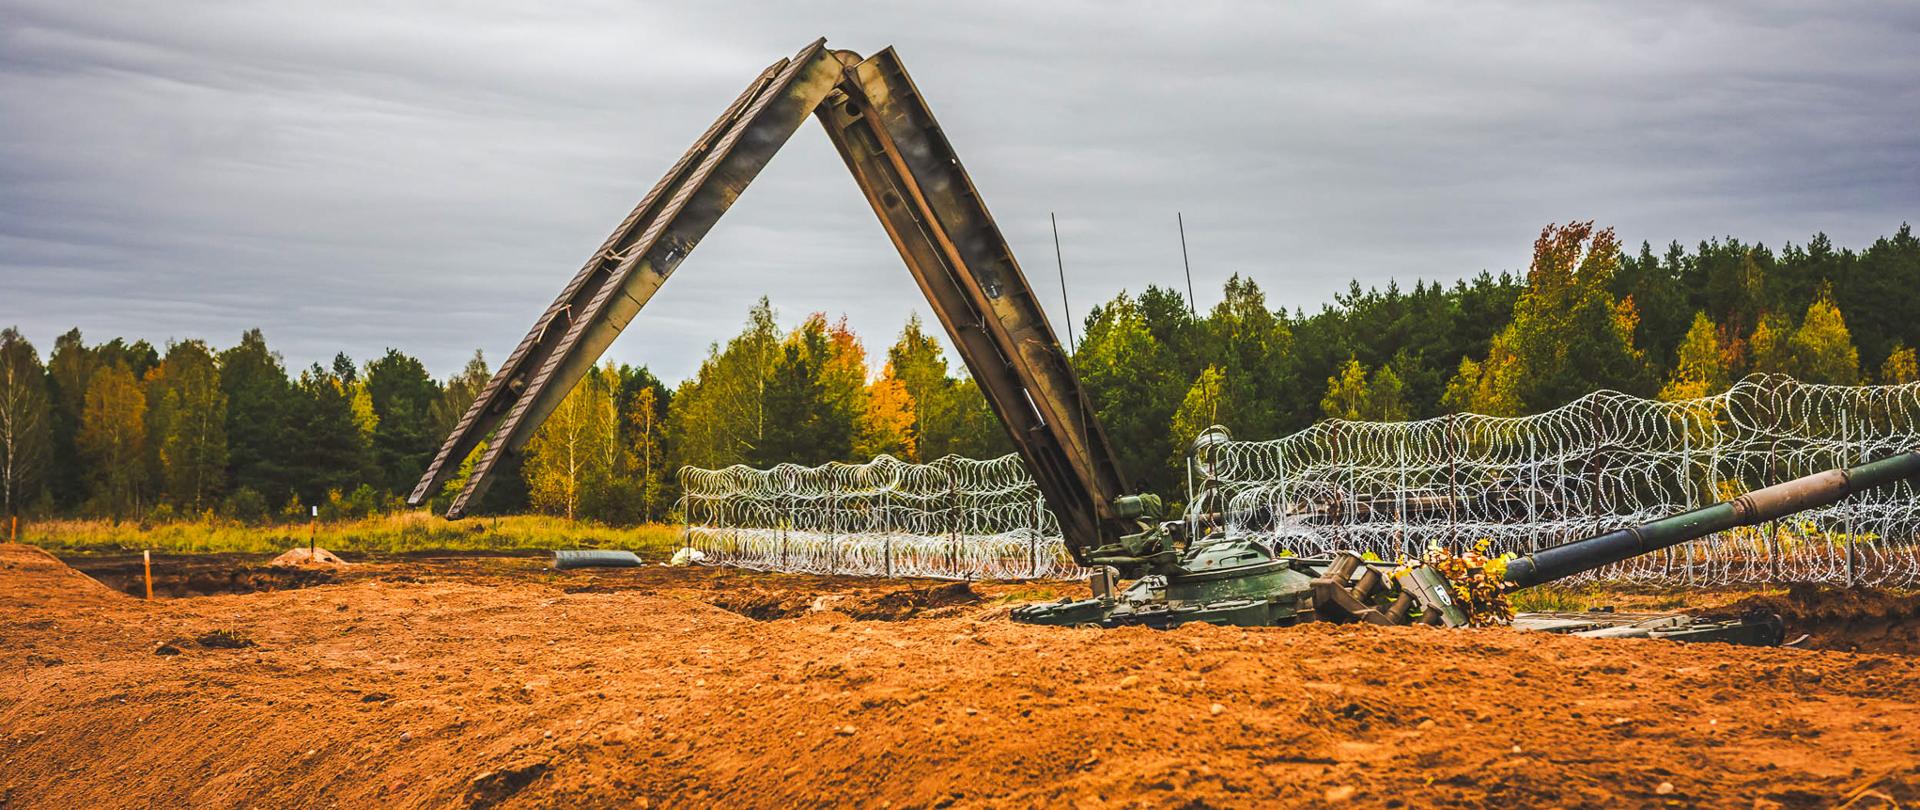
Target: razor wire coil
x,y
955,517
1605,461
1602,462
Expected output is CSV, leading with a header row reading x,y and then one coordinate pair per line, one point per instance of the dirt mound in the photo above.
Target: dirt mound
x,y
1853,619
296,557
38,578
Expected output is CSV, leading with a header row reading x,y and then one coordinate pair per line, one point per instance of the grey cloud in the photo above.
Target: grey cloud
x,y
352,176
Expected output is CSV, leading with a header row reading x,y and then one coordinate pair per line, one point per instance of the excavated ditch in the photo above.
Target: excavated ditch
x,y
761,604
1849,619
177,576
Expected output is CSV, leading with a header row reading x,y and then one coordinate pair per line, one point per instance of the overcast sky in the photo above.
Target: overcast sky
x,y
353,176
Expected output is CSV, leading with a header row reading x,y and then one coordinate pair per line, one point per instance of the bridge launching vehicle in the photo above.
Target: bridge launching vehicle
x,y
911,176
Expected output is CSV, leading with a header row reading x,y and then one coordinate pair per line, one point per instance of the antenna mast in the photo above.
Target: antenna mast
x,y
1072,342
1181,220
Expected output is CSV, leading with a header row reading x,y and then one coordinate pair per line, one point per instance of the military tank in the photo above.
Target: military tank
x,y
1221,579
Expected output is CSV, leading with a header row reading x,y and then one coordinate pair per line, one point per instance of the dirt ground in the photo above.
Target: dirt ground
x,y
472,681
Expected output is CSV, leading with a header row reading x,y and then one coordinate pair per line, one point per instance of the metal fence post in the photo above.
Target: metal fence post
x,y
1341,487
1400,497
1850,536
886,528
1453,480
953,536
1033,539
1774,548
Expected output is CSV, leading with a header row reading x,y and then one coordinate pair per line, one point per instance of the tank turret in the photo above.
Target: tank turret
x,y
1758,506
1241,581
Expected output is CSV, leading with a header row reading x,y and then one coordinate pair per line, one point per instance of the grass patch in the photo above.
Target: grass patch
x,y
392,533
1555,599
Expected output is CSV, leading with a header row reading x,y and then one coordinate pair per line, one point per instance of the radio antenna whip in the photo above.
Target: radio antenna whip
x,y
1182,221
1072,342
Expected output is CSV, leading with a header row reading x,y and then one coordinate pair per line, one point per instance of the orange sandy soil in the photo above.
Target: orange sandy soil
x,y
480,682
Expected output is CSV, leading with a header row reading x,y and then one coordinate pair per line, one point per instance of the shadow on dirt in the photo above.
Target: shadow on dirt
x,y
762,604
494,787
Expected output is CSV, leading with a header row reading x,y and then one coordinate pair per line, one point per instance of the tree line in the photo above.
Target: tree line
x,y
1587,314
122,429
125,429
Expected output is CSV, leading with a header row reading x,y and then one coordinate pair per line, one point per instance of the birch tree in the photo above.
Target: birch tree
x,y
571,452
25,421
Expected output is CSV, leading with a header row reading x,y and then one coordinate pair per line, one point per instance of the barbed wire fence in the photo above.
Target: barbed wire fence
x,y
956,518
1602,462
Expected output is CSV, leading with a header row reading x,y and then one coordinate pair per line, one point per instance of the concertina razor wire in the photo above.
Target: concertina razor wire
x,y
953,518
1602,462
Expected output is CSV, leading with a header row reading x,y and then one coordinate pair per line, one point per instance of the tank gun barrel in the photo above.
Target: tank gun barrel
x,y
1760,505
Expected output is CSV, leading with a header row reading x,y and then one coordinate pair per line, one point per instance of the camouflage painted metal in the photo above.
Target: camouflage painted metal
x,y
1758,506
629,267
938,221
1239,581
910,174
